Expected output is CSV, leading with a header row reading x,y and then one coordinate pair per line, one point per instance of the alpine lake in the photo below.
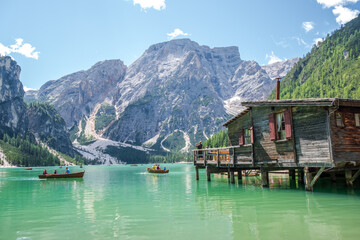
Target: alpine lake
x,y
126,202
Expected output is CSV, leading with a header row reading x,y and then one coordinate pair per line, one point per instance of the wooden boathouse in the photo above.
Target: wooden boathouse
x,y
312,136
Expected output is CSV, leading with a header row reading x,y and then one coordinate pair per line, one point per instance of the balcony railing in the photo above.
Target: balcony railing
x,y
220,157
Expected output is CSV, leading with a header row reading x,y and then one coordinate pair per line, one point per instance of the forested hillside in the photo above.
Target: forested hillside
x,y
331,69
219,139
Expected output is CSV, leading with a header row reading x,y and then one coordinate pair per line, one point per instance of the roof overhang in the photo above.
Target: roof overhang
x,y
321,102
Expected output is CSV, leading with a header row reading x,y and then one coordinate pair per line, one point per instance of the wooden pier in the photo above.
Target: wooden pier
x,y
307,137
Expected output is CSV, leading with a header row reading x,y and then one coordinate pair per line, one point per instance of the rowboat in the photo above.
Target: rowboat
x,y
63,175
150,170
133,165
29,168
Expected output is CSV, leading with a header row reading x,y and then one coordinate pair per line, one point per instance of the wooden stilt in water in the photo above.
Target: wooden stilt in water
x,y
264,178
229,173
232,177
333,177
292,174
197,172
239,175
208,174
301,176
348,177
308,178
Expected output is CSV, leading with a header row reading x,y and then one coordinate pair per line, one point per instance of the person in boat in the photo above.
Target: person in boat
x,y
157,167
44,172
55,172
199,146
164,168
153,167
67,170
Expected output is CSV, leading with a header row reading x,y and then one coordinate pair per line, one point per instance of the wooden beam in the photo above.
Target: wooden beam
x,y
317,176
239,174
307,178
197,172
264,178
208,174
348,177
232,177
355,176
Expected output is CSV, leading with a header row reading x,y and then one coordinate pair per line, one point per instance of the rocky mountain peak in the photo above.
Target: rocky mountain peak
x,y
10,85
13,116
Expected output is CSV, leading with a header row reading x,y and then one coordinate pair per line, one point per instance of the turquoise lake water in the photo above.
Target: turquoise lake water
x,y
125,202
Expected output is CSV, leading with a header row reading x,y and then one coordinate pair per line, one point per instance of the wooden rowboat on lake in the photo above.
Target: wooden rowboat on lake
x,y
63,175
150,170
29,168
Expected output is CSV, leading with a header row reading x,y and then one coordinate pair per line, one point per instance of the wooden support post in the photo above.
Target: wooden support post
x,y
264,178
292,174
208,174
355,176
348,177
232,177
228,172
308,178
218,158
239,175
317,176
300,175
333,176
197,172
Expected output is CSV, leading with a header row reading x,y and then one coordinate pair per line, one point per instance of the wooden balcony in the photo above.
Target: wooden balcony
x,y
222,157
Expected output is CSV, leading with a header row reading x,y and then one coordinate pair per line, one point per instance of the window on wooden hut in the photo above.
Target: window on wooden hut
x,y
280,126
339,120
357,119
247,136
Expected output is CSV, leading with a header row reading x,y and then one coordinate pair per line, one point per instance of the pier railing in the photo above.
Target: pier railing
x,y
225,156
214,156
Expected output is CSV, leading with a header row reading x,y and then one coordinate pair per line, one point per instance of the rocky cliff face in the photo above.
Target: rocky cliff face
x,y
176,86
47,125
13,116
280,69
75,96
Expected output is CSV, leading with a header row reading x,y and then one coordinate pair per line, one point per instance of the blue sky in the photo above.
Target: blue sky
x,y
50,39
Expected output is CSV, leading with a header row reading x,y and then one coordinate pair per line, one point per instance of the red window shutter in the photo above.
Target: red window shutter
x,y
252,135
288,128
241,137
272,127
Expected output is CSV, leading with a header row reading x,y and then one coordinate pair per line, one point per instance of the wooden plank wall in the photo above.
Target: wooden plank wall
x,y
265,149
234,128
346,140
311,134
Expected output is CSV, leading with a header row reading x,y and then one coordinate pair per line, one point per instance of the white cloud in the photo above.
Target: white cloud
x,y
19,47
317,41
177,32
4,50
301,42
308,26
273,58
334,3
28,89
156,4
344,14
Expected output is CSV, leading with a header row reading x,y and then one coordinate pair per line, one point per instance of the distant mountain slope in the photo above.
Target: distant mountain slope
x,y
75,95
175,94
331,69
20,124
280,69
